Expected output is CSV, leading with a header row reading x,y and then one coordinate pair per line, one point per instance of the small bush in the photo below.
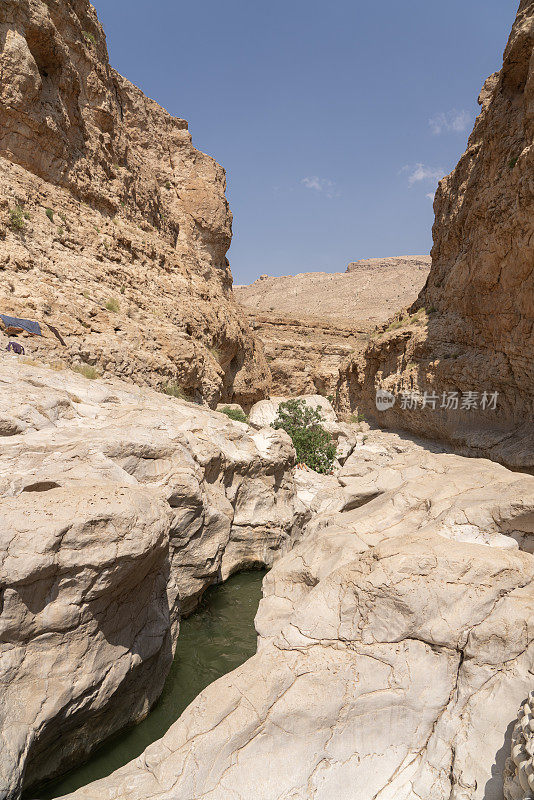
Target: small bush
x,y
235,413
16,218
175,390
61,231
89,38
168,185
357,418
513,162
50,214
215,353
86,370
113,305
313,444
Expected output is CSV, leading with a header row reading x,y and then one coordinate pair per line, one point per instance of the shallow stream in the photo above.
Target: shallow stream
x,y
214,640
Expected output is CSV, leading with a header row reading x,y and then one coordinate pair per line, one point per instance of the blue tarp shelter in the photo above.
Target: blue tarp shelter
x,y
25,324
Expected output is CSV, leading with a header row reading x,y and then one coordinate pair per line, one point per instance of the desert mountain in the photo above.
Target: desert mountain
x,y
311,323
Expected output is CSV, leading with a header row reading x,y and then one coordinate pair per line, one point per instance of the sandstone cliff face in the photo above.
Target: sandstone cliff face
x,y
478,330
115,208
310,324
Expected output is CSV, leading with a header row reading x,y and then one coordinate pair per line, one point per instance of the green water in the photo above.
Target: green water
x,y
214,640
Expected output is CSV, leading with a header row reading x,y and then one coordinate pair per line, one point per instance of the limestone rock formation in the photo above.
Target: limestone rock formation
x,y
519,773
396,642
368,292
113,227
310,324
476,312
119,507
405,265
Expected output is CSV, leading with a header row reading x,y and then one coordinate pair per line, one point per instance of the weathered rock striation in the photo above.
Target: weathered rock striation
x,y
519,771
396,643
476,332
113,227
119,507
312,323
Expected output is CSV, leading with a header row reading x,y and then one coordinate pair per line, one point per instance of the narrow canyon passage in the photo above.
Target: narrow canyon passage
x,y
213,641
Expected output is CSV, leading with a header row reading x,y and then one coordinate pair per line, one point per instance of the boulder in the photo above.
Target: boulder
x,y
120,507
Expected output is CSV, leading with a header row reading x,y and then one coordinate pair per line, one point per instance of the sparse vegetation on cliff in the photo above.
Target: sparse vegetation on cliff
x,y
175,390
17,218
113,305
87,371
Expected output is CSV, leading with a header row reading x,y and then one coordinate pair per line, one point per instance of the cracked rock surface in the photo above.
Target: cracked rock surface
x,y
395,644
119,507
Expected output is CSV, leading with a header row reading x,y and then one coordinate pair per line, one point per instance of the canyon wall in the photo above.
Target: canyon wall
x,y
310,324
472,328
113,227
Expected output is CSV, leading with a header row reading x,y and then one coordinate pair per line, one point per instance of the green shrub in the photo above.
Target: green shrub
x,y
313,444
113,305
86,370
16,218
175,390
50,214
513,162
168,185
234,413
357,418
89,38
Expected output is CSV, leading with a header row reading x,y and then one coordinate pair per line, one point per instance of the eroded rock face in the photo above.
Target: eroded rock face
x,y
130,263
119,507
478,330
519,772
310,324
396,642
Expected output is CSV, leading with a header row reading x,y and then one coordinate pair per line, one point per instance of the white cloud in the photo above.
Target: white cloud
x,y
431,196
421,172
317,184
450,122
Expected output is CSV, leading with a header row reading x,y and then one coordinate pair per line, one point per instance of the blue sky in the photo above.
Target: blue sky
x,y
333,120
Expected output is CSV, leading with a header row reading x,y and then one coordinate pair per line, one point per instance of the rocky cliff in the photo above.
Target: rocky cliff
x,y
113,227
310,324
472,328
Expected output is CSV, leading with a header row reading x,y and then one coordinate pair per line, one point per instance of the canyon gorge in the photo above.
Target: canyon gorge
x,y
395,634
